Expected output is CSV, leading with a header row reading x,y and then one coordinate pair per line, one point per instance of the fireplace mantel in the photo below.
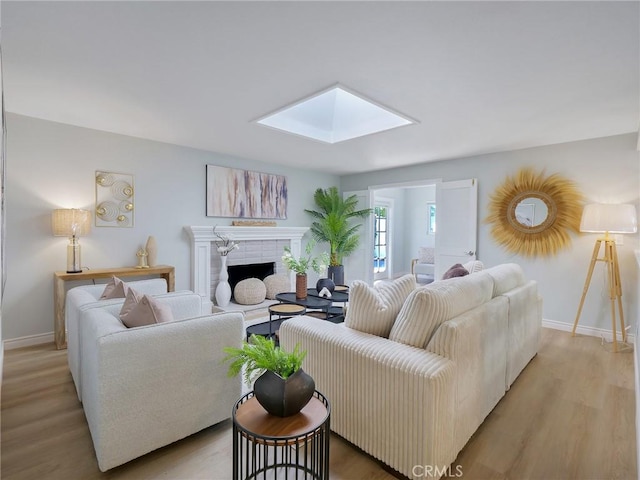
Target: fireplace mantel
x,y
202,237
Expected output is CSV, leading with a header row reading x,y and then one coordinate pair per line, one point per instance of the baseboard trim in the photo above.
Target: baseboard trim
x,y
28,341
590,331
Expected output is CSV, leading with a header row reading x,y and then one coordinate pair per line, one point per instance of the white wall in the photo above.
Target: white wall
x,y
51,165
605,170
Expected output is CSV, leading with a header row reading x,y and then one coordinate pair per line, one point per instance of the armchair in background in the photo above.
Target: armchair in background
x,y
425,263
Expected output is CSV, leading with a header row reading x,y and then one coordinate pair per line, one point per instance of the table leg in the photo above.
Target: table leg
x,y
59,329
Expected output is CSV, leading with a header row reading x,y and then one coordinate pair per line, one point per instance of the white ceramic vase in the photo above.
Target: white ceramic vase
x,y
152,251
223,290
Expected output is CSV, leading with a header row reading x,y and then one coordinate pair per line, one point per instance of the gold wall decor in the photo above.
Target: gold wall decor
x,y
532,214
114,199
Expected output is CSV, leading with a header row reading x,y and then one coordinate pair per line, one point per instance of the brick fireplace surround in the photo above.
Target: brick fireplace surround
x,y
257,245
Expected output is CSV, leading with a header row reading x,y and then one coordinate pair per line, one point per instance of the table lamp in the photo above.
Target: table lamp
x,y
607,218
72,223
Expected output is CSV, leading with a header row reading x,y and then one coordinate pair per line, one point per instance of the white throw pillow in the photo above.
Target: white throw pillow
x,y
373,310
428,307
426,255
473,266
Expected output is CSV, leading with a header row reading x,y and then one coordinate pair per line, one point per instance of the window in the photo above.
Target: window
x,y
431,218
380,239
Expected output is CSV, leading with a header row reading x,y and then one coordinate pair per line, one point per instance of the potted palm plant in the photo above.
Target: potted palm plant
x,y
281,386
333,224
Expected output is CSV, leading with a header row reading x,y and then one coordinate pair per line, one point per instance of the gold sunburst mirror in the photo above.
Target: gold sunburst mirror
x,y
532,214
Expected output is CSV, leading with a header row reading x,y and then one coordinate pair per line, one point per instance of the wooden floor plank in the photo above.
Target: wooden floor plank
x,y
569,415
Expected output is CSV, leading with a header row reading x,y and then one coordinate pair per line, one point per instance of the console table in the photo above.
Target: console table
x,y
59,292
266,446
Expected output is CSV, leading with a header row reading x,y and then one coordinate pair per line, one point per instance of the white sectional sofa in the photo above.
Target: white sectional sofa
x,y
419,405
86,297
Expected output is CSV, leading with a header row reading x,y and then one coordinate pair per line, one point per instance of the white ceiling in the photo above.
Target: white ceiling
x,y
479,76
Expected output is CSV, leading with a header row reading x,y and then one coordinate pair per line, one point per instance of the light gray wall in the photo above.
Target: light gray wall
x,y
605,170
51,165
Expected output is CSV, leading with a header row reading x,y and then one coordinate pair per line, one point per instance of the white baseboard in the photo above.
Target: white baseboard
x,y
590,331
28,341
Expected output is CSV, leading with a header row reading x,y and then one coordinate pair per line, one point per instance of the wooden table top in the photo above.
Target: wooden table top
x,y
255,419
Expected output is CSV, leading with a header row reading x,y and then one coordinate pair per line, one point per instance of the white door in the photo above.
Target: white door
x,y
456,220
357,266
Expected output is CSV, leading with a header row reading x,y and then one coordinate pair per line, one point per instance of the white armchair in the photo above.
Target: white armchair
x,y
86,297
425,263
146,387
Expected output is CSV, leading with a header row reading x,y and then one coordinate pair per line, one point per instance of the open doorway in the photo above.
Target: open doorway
x,y
382,242
407,214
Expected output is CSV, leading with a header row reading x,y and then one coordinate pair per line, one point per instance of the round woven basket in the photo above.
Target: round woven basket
x,y
249,291
277,284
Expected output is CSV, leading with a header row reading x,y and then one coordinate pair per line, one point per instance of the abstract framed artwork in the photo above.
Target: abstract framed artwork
x,y
237,193
114,199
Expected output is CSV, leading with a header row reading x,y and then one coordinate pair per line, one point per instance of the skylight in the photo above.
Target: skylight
x,y
333,116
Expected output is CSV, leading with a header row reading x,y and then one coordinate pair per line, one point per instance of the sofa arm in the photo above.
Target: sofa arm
x,y
146,387
393,401
477,342
78,301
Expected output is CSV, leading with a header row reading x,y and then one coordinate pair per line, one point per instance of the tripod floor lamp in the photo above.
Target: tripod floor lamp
x,y
607,219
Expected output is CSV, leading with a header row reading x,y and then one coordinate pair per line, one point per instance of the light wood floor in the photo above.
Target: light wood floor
x,y
570,415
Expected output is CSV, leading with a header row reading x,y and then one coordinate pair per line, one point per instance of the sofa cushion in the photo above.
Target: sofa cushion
x,y
374,309
428,307
147,312
115,288
506,277
249,291
456,270
276,284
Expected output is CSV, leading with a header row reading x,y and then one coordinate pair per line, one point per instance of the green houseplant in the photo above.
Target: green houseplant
x,y
281,386
333,224
301,266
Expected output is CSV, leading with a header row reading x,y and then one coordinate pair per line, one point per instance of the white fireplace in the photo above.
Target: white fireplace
x,y
257,245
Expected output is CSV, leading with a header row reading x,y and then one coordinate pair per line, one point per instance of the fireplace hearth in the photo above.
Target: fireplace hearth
x,y
257,245
237,273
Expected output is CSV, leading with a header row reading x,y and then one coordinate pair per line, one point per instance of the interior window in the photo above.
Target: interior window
x,y
380,240
431,218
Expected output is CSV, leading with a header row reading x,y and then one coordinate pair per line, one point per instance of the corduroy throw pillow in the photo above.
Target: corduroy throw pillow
x,y
374,309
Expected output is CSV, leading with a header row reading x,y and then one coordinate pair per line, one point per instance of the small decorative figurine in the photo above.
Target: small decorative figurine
x,y
142,258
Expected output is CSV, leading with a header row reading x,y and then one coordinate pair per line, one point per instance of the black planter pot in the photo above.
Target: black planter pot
x,y
336,273
283,398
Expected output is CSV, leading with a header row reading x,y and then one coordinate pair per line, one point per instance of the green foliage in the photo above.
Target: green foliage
x,y
261,354
333,222
302,264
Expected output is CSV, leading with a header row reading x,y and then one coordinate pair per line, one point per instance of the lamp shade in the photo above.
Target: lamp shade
x,y
70,222
612,218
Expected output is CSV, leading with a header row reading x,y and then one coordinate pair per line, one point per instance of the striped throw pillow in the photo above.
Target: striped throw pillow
x,y
374,309
428,307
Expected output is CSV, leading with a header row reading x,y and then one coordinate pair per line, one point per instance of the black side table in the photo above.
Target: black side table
x,y
266,446
283,311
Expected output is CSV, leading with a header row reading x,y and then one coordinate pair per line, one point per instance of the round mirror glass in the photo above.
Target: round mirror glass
x,y
531,212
